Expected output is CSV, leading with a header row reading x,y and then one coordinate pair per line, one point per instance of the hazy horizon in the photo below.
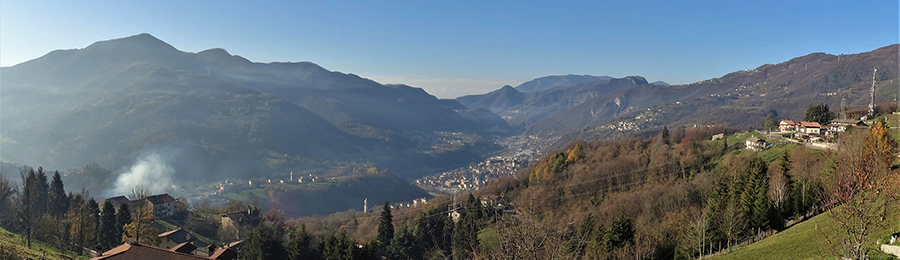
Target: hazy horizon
x,y
456,49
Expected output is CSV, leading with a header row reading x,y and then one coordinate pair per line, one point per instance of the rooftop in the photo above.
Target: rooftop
x,y
138,251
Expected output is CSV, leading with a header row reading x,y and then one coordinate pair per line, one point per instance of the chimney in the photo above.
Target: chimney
x,y
99,250
212,249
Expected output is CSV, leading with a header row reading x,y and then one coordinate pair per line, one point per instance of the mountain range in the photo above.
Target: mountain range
x,y
227,116
611,107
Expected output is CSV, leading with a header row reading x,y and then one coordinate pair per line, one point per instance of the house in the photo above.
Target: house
x,y
419,202
131,251
118,201
492,201
163,205
228,252
225,254
240,219
755,144
174,238
809,128
186,247
718,136
456,214
840,125
786,126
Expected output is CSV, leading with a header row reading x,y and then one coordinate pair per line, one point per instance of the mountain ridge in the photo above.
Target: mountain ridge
x,y
180,95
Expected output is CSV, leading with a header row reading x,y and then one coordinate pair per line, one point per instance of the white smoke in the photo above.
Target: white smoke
x,y
152,171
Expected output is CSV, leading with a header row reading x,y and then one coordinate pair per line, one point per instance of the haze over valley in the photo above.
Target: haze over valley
x,y
449,130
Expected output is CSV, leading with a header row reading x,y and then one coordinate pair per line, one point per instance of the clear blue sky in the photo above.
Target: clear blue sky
x,y
451,48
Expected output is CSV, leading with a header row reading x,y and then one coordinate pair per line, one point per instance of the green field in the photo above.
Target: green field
x,y
802,241
12,246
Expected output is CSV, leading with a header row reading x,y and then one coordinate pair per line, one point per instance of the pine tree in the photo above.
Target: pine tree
x,y
43,190
301,245
59,203
386,225
664,136
263,244
404,245
106,234
620,233
123,217
93,218
27,212
760,217
338,246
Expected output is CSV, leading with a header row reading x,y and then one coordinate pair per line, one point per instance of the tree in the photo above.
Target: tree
x,y
664,136
58,202
141,228
862,192
106,229
123,217
42,191
8,191
620,233
300,245
263,244
404,245
26,203
386,225
92,218
433,231
818,113
770,123
338,246
698,233
779,187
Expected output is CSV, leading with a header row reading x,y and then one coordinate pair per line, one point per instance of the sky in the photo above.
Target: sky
x,y
454,48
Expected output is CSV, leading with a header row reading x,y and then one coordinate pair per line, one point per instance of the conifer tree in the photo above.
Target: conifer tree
x,y
106,234
43,190
386,225
620,233
301,245
664,136
27,212
58,201
123,217
263,244
404,245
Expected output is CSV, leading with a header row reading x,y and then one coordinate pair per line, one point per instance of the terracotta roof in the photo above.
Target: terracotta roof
x,y
177,235
810,124
139,252
186,247
235,243
787,122
224,254
161,198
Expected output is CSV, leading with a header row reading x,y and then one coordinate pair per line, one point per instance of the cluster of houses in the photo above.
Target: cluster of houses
x,y
810,131
178,243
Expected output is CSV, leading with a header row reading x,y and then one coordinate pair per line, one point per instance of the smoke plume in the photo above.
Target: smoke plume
x,y
151,170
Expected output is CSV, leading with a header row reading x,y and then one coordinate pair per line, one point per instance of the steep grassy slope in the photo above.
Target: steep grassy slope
x,y
12,247
801,241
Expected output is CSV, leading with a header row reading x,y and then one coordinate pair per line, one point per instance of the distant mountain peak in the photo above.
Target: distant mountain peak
x,y
660,83
553,81
143,41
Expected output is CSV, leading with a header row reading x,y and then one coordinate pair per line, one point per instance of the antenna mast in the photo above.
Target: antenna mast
x,y
872,100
